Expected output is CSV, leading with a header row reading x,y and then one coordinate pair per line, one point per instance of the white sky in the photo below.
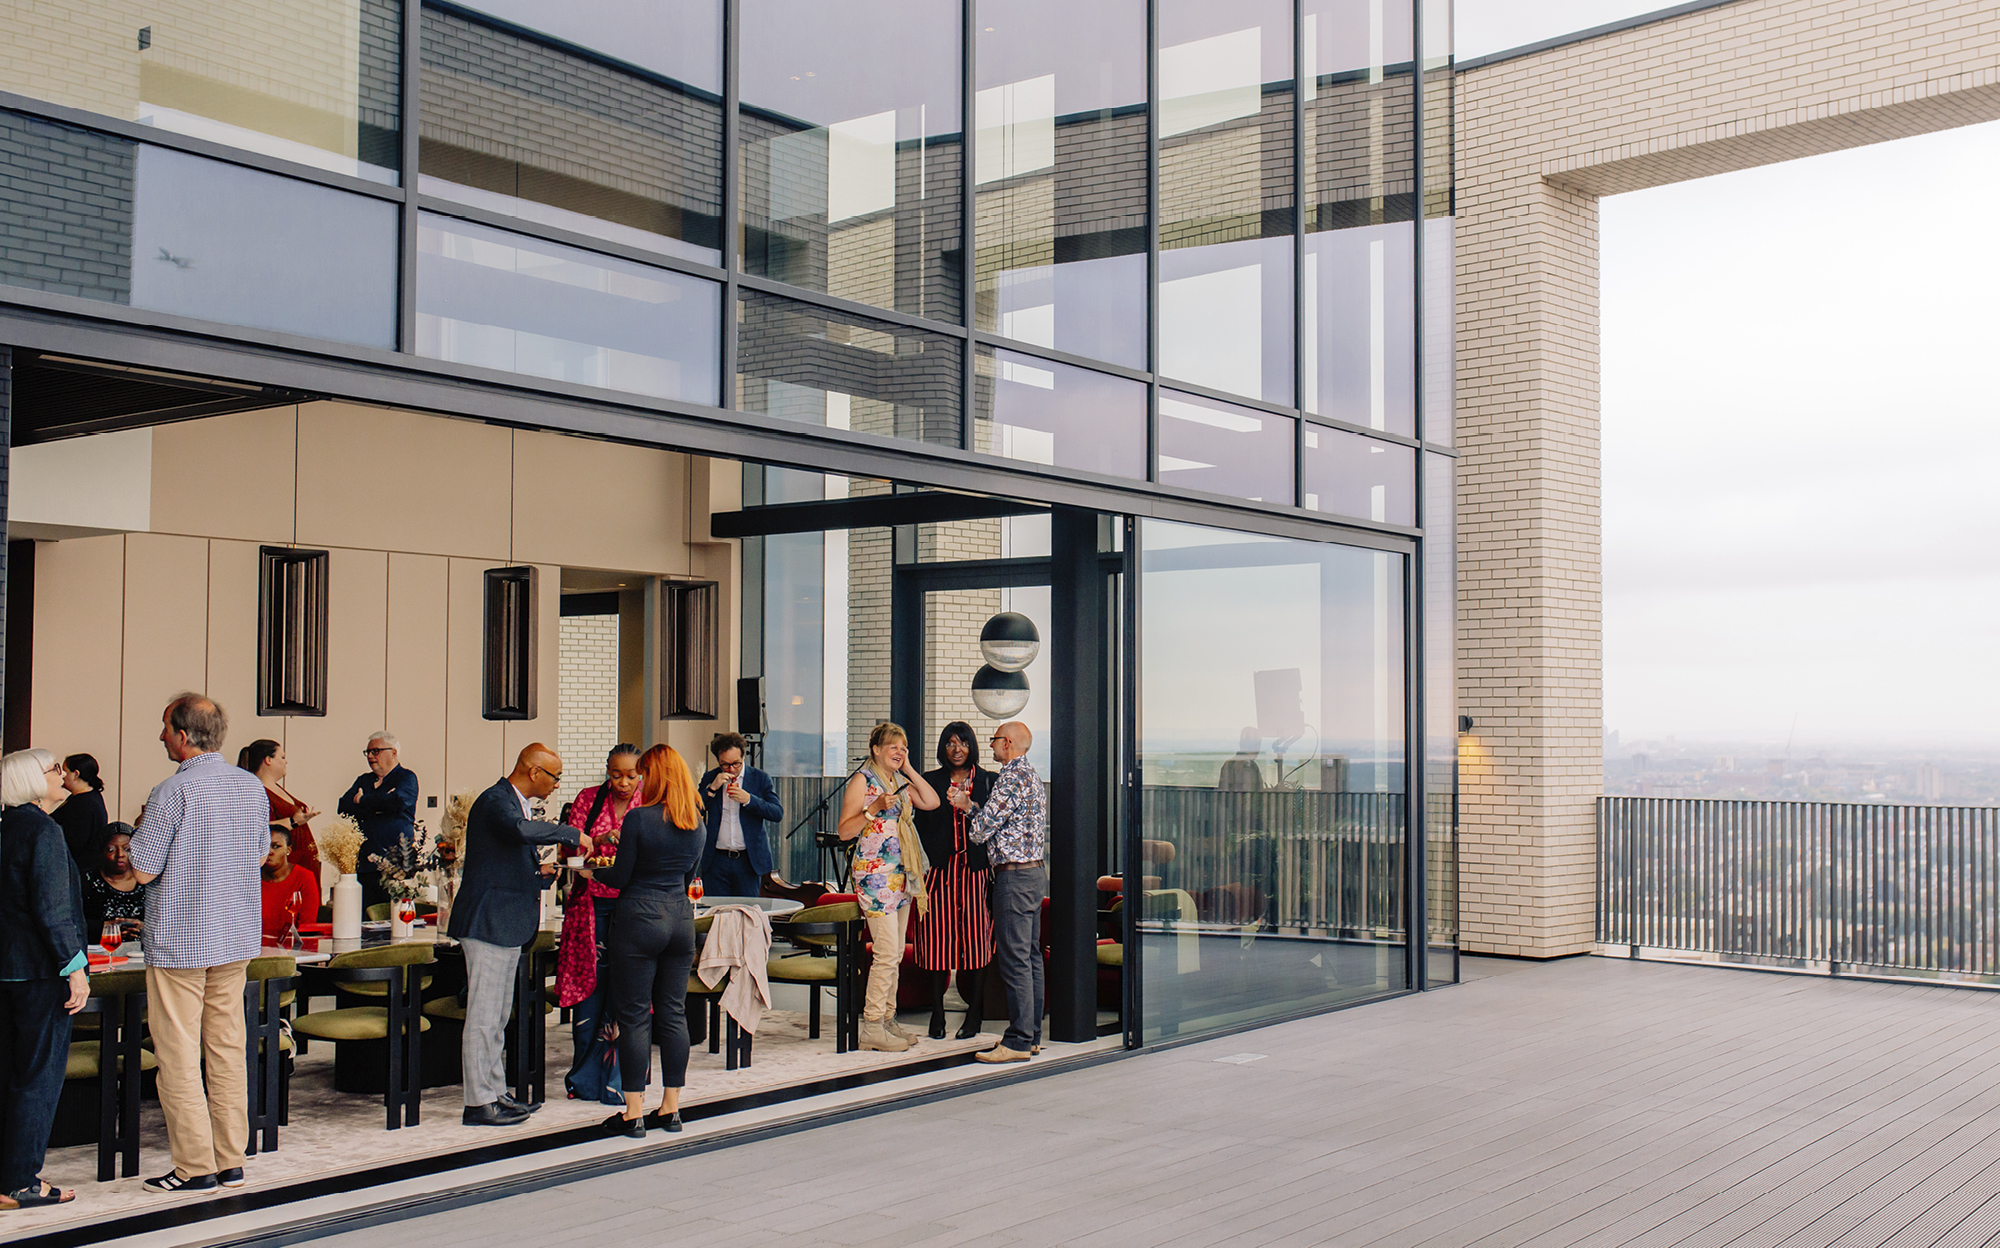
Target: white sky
x,y
1801,438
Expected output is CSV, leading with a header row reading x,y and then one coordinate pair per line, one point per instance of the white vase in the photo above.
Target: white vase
x,y
347,908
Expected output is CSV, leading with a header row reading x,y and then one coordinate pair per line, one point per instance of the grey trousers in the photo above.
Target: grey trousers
x,y
489,999
1017,951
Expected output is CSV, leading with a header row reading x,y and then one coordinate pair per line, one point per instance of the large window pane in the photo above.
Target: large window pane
x,y
1049,413
1360,339
1272,808
1349,475
852,151
99,217
1226,196
570,138
1360,113
1225,449
314,81
1441,713
1440,329
1061,180
806,363
505,301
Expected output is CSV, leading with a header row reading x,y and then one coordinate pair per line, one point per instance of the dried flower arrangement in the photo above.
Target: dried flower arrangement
x,y
404,868
451,834
340,842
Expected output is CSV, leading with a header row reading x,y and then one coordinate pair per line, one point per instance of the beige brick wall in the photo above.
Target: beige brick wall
x,y
1540,138
587,701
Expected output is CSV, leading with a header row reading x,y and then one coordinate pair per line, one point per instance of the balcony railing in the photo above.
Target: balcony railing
x,y
1860,889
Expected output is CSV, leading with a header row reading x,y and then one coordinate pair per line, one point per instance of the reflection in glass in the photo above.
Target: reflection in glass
x,y
852,151
1349,475
677,39
1360,327
1048,413
1440,102
1440,329
225,243
807,363
1225,449
505,301
1360,113
1226,196
1441,714
1062,175
312,81
1272,806
517,126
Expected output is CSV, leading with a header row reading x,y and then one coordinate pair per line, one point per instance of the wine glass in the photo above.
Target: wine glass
x,y
406,910
112,936
695,890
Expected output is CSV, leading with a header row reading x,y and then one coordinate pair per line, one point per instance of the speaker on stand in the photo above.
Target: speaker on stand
x,y
750,716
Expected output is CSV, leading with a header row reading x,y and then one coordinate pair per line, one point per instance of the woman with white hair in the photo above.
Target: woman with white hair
x,y
44,975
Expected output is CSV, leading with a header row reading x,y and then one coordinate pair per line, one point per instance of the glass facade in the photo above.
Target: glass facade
x,y
1272,812
1235,290
1061,182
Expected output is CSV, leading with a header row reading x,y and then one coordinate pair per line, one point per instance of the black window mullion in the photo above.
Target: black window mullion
x,y
412,140
732,225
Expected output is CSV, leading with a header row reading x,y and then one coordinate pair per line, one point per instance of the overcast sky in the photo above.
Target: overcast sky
x,y
1801,438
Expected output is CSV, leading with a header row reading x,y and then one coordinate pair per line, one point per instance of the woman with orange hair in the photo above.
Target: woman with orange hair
x,y
650,944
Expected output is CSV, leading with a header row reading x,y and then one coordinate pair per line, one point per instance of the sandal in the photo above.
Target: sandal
x,y
41,1194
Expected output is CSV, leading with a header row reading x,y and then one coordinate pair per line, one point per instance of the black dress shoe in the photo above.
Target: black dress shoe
x,y
507,1099
937,1026
496,1114
970,1030
668,1122
630,1128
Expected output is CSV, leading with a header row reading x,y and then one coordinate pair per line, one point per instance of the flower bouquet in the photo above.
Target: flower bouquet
x,y
405,867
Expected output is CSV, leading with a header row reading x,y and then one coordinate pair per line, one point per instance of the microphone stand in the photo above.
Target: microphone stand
x,y
832,850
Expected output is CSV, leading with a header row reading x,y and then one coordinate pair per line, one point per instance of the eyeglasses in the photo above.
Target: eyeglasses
x,y
553,775
379,749
56,770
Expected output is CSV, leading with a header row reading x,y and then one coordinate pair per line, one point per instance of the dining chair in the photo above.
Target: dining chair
x,y
399,1024
267,985
823,940
117,1005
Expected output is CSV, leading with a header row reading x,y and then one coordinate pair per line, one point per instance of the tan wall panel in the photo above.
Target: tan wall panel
x,y
418,600
474,747
165,651
325,751
386,480
586,504
78,669
517,733
232,645
227,476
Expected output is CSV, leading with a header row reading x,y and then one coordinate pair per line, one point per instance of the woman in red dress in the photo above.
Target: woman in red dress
x,y
599,810
265,759
957,934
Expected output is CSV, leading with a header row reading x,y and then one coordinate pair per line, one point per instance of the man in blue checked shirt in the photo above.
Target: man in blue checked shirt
x,y
1013,825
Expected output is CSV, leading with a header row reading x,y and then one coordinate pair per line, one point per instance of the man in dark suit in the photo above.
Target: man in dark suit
x,y
496,914
739,799
382,801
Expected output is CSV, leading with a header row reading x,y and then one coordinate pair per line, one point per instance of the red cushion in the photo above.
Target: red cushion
x,y
835,899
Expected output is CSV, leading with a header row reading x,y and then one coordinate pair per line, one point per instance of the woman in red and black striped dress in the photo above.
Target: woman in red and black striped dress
x,y
957,933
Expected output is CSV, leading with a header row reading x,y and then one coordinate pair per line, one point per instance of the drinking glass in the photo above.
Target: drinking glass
x,y
112,936
695,890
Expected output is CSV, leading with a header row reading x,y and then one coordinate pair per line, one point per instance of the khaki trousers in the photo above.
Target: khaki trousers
x,y
878,1004
196,1015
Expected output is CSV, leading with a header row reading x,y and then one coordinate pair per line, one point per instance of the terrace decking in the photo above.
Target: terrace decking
x,y
1583,1102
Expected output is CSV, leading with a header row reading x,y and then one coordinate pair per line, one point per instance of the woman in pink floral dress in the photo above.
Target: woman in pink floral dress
x,y
876,813
600,811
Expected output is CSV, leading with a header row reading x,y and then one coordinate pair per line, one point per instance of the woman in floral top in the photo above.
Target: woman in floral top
x,y
877,813
600,811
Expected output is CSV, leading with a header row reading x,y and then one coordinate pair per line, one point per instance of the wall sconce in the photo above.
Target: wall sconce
x,y
1465,723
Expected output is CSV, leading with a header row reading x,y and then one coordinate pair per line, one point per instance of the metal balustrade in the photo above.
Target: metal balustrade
x,y
1860,889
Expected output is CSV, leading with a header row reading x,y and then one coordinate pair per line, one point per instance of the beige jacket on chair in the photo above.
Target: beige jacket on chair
x,y
739,945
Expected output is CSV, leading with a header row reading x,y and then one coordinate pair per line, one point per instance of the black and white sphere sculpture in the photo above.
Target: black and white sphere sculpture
x,y
1009,642
998,694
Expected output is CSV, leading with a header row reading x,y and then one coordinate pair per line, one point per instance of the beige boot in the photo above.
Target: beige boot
x,y
895,1029
875,1036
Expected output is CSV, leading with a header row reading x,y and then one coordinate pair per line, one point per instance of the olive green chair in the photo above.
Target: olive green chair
x,y
267,992
369,1037
116,1010
822,955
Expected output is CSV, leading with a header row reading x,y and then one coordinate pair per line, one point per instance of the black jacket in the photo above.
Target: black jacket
x,y
83,821
654,856
386,813
41,897
934,826
499,898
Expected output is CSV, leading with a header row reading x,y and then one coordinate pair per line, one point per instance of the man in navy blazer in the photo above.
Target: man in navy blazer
x,y
499,906
739,800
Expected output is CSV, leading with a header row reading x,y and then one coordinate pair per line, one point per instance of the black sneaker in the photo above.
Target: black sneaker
x,y
232,1177
171,1182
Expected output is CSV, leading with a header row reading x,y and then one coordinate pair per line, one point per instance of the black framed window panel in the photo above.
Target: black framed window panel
x,y
316,84
291,631
804,362
1359,264
1060,177
1227,203
691,662
1439,253
1440,707
593,116
851,150
511,645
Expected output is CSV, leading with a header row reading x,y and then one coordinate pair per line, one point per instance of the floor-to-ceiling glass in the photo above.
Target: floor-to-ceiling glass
x,y
1272,753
